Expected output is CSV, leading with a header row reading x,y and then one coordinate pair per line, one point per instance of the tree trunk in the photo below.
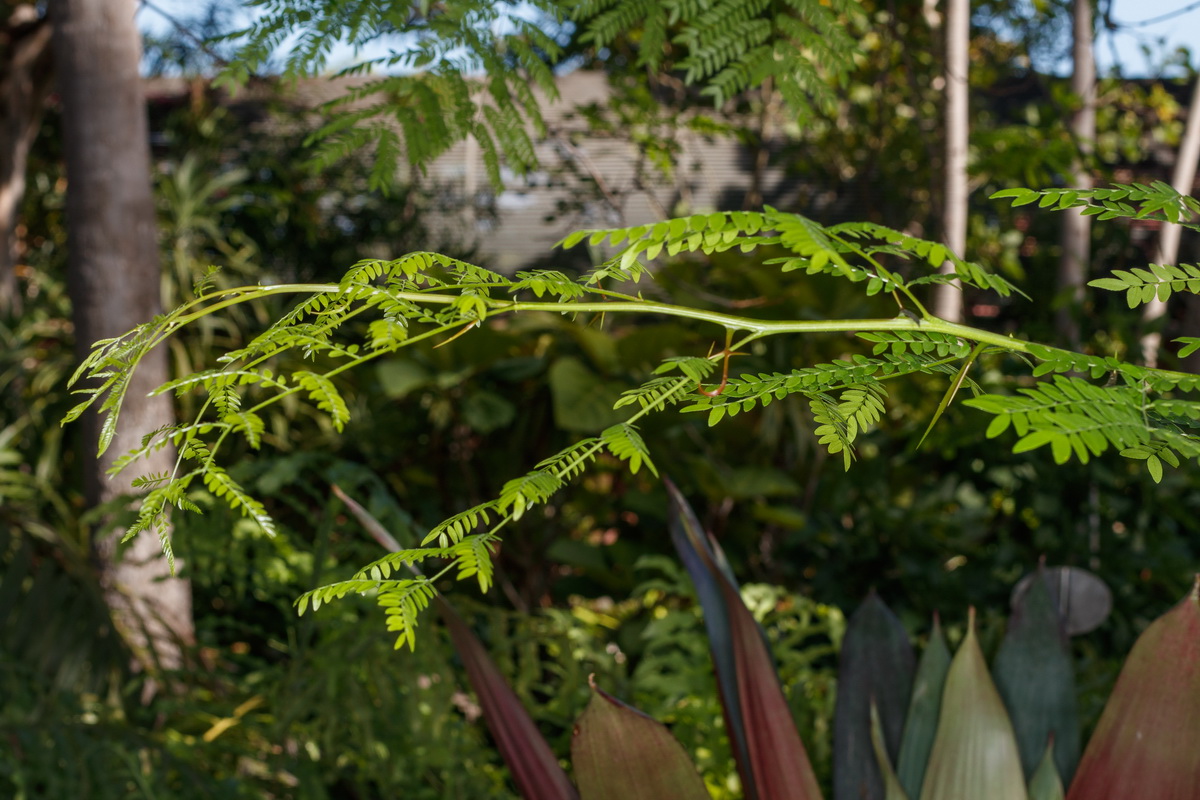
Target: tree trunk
x,y
1183,179
114,280
25,78
948,301
1077,229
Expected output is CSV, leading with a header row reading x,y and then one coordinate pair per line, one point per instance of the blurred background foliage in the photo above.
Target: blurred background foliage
x,y
321,707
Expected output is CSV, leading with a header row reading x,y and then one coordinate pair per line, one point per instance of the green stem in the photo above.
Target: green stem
x,y
729,321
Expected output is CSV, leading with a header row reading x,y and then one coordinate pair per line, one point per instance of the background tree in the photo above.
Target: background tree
x,y
949,299
25,80
1077,229
114,279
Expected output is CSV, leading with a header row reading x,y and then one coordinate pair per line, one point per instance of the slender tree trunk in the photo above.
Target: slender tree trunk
x,y
1183,179
114,280
25,78
948,302
1077,229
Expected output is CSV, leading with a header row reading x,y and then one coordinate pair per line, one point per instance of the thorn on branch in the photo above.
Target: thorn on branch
x,y
725,354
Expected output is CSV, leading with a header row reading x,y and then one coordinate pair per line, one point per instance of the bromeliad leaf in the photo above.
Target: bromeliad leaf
x,y
920,724
1035,677
875,679
975,751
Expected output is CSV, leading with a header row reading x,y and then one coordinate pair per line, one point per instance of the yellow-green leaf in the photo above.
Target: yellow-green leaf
x,y
975,752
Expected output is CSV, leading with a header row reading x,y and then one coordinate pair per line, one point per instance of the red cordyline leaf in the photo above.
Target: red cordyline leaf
x,y
534,768
619,753
1147,744
771,757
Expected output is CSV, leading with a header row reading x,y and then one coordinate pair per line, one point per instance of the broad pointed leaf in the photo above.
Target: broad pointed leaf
x,y
771,758
876,665
920,726
1045,783
1147,743
619,753
975,752
892,790
1036,680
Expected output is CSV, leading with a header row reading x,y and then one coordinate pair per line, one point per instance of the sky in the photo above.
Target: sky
x,y
1179,30
1123,45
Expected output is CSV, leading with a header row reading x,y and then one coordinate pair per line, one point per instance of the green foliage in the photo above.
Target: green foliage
x,y
425,296
732,46
1156,282
816,249
800,45
1158,201
1080,419
434,104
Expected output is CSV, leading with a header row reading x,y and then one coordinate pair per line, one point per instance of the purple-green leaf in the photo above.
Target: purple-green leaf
x,y
534,768
876,666
374,527
619,753
1035,678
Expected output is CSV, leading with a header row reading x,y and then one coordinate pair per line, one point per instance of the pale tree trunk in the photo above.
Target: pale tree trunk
x,y
25,78
948,301
1077,229
1183,179
113,277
